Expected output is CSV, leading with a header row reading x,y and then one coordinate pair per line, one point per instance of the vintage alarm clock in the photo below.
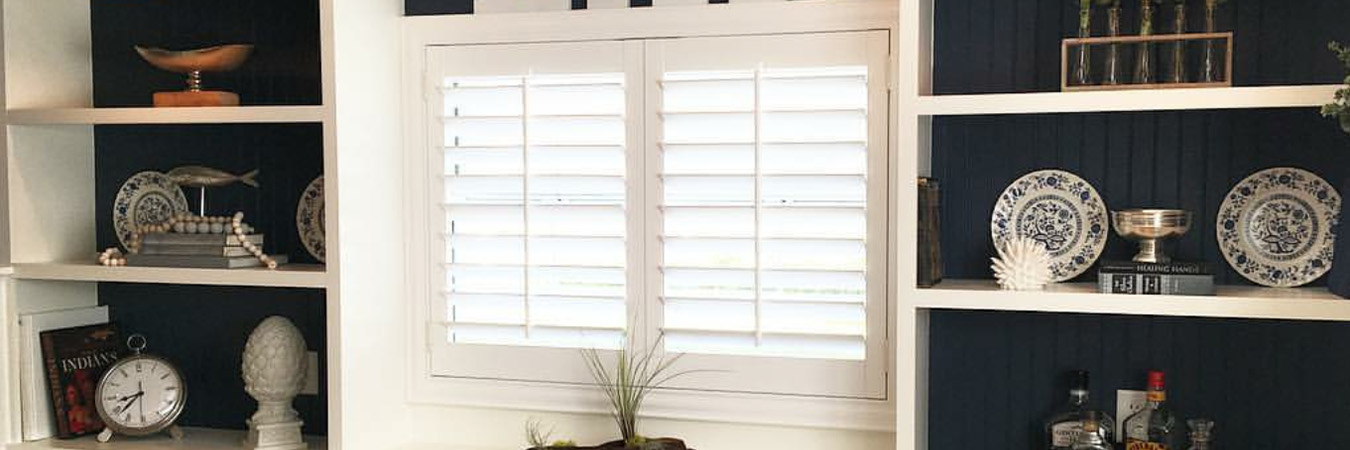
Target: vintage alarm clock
x,y
141,395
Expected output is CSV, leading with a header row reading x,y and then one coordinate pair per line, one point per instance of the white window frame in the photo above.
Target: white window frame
x,y
625,24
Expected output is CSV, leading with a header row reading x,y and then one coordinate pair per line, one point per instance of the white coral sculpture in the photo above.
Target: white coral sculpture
x,y
1022,265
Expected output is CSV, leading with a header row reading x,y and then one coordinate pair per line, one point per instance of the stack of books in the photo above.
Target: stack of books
x,y
930,236
1171,278
197,251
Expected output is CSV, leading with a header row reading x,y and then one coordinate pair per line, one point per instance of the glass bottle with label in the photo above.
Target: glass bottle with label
x,y
1063,427
1090,437
1202,432
1154,427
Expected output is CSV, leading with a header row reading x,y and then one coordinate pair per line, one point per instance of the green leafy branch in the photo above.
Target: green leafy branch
x,y
1340,107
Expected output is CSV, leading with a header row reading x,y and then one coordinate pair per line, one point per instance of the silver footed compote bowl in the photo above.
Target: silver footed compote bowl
x,y
1150,227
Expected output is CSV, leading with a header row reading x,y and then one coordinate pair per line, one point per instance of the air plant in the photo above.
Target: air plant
x,y
535,434
1340,107
542,440
635,375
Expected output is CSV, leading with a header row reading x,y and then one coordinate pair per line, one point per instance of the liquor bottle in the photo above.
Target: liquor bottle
x,y
1063,427
1154,427
1090,437
1202,432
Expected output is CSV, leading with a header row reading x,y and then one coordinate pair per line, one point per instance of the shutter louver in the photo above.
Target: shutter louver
x,y
764,212
534,206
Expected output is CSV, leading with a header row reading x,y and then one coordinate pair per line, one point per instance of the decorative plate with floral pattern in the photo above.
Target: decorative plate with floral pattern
x,y
309,219
1058,209
1277,227
147,198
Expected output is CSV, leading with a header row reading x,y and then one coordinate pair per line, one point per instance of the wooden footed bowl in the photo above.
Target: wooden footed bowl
x,y
652,444
221,58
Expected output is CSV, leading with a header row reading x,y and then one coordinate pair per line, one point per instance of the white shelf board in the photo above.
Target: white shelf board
x,y
1128,100
288,275
193,438
1250,302
203,115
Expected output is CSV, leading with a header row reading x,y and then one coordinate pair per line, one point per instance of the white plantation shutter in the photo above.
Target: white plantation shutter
x,y
534,143
726,197
771,209
535,196
765,204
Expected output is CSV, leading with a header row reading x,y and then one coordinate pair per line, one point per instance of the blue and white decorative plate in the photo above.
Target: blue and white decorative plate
x,y
1277,227
1058,209
147,198
309,219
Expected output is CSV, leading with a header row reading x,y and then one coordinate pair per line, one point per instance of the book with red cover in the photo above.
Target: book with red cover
x,y
76,359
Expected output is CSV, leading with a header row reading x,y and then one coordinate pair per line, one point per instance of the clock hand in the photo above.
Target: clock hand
x,y
129,398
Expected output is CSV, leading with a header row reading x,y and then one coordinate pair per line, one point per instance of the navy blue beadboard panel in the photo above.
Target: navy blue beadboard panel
x,y
579,4
437,7
983,46
1184,160
1267,384
285,68
203,329
639,3
289,157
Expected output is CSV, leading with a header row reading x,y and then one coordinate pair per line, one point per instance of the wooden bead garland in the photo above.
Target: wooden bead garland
x,y
184,223
112,257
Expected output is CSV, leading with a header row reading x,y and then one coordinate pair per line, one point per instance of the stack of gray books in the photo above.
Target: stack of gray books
x,y
197,251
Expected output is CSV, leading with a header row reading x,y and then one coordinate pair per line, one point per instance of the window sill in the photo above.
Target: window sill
x,y
703,406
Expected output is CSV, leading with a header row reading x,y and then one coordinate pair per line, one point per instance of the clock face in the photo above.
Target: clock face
x,y
141,395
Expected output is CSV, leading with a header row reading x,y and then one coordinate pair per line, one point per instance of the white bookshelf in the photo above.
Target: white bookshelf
x,y
132,116
918,108
288,276
193,438
47,213
1244,302
1127,100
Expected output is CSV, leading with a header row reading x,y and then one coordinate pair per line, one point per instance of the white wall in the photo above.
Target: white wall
x,y
366,317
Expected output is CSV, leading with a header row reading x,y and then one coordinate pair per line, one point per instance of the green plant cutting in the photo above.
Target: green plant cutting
x,y
1146,19
634,375
1340,107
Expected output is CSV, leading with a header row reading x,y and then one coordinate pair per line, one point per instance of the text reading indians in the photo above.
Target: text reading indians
x,y
88,361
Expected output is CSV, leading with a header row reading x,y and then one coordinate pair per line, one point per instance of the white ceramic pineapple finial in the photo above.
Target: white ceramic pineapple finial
x,y
274,373
1022,265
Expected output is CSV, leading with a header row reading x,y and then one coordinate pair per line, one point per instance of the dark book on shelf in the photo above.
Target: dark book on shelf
x,y
1155,284
198,239
226,251
76,359
1339,278
1167,268
199,262
930,228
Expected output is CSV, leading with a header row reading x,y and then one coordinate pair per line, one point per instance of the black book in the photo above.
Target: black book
x,y
76,359
1167,268
930,233
1155,284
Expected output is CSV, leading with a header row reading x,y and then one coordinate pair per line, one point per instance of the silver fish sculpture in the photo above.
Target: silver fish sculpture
x,y
198,176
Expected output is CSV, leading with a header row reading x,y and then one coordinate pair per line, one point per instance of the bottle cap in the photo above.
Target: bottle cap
x,y
1078,380
1155,380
